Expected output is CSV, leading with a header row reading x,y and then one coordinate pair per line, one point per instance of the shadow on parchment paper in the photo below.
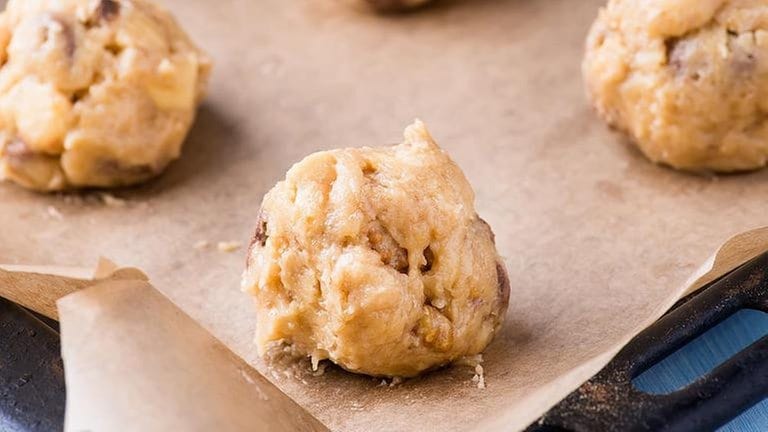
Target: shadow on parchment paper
x,y
461,5
432,7
670,179
440,4
638,170
208,151
640,166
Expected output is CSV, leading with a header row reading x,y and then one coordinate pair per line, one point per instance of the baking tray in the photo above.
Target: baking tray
x,y
594,236
32,394
609,401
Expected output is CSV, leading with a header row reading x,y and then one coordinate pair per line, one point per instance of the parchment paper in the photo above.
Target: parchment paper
x,y
39,288
135,362
597,240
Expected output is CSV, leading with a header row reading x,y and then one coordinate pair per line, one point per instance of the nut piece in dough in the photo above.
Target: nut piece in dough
x,y
94,93
686,79
375,259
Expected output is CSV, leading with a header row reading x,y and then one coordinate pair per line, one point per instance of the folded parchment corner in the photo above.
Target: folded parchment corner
x,y
134,361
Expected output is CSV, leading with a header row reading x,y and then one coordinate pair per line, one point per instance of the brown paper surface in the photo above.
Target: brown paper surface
x,y
597,240
134,362
40,287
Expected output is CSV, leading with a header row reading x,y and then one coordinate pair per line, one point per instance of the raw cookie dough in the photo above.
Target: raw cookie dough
x,y
375,259
93,93
687,79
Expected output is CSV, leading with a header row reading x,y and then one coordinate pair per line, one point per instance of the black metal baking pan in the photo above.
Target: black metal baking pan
x,y
609,402
32,393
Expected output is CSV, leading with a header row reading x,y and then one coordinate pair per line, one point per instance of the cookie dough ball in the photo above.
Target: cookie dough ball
x,y
686,79
93,93
375,259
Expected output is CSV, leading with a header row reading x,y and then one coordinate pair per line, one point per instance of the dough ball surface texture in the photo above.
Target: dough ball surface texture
x,y
94,93
686,79
375,259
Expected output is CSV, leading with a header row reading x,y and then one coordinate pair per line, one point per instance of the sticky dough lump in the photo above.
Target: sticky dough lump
x,y
686,79
375,259
94,93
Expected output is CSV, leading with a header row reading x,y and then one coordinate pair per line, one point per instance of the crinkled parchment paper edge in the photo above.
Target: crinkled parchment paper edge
x,y
735,251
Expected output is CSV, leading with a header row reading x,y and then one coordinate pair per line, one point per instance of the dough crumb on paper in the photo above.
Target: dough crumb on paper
x,y
474,362
315,361
54,213
284,364
228,246
479,377
112,201
202,244
395,381
320,369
